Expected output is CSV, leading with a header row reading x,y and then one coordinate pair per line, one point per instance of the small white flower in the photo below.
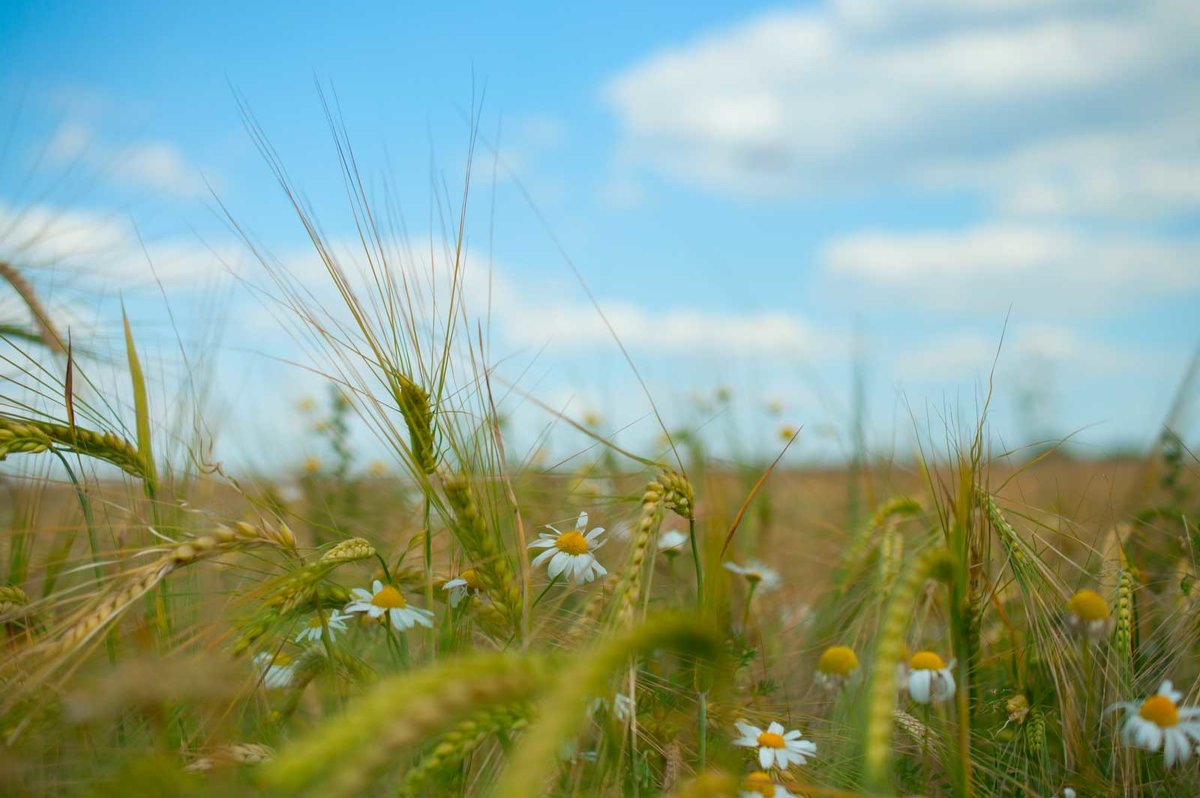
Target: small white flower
x,y
336,622
387,599
756,574
775,747
671,542
1160,723
1067,792
621,706
277,670
761,785
570,552
929,678
462,586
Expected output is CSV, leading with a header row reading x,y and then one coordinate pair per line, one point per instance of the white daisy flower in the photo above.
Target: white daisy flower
x,y
387,599
775,747
277,670
336,622
836,665
1160,723
757,574
463,585
761,785
929,678
1067,792
621,706
1088,615
570,553
671,542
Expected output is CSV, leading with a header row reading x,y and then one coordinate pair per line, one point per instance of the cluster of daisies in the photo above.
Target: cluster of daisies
x,y
1157,723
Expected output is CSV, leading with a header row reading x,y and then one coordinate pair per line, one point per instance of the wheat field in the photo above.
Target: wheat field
x,y
462,619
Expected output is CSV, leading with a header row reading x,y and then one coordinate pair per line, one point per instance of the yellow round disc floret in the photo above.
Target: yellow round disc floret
x,y
573,543
926,661
1160,710
771,740
837,661
389,598
1088,605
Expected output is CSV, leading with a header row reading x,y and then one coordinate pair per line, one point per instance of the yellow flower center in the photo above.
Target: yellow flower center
x,y
760,783
926,661
1160,710
471,577
389,598
314,622
281,659
573,543
771,740
837,661
1087,605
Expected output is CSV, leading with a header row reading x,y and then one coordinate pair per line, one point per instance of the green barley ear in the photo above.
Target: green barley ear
x,y
629,589
889,650
343,754
482,545
1125,634
417,410
141,408
563,710
677,494
47,332
453,748
31,436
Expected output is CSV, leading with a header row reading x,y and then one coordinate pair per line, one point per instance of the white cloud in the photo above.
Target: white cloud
x,y
928,92
1032,268
156,165
956,354
106,248
526,314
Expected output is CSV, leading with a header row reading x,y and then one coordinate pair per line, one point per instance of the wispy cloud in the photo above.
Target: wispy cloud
x,y
106,248
1037,268
1046,107
158,166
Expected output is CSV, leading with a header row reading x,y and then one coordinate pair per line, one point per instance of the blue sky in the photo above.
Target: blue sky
x,y
750,193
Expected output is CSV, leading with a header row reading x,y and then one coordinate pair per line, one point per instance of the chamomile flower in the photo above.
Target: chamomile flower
x,y
385,599
336,622
1160,723
621,705
277,670
1088,615
671,542
836,665
776,748
761,785
929,678
571,552
757,574
463,585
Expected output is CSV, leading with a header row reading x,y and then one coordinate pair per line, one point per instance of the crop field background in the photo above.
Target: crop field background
x,y
746,403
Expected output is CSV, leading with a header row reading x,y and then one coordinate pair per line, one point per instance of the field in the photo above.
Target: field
x,y
465,620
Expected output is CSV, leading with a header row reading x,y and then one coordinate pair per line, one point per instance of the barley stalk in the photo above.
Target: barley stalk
x,y
481,544
223,539
882,689
339,757
628,591
453,748
563,709
30,436
41,318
